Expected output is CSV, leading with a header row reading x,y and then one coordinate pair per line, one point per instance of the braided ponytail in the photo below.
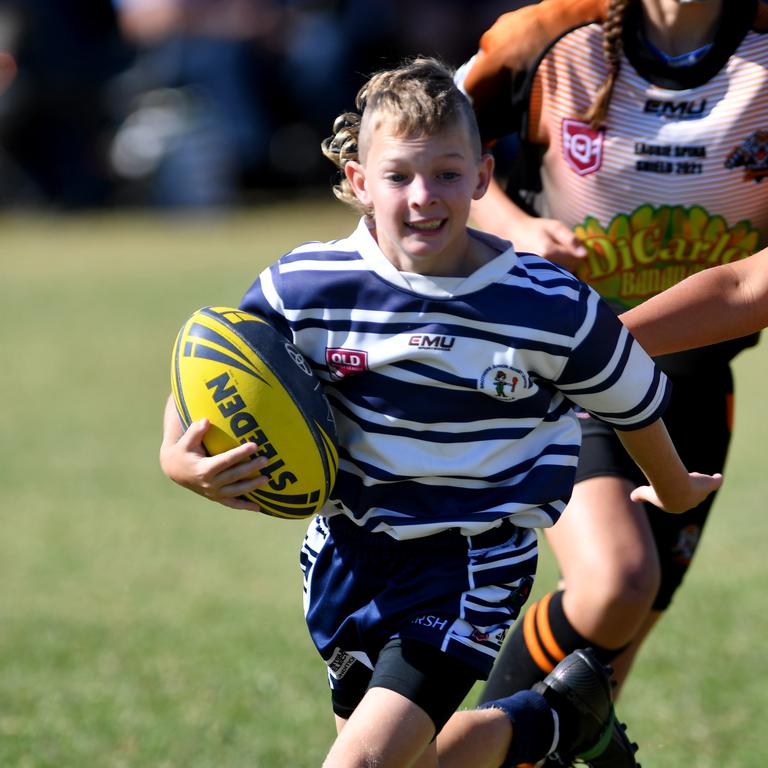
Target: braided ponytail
x,y
612,48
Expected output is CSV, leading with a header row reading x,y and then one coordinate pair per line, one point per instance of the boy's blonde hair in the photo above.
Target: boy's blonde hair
x,y
418,98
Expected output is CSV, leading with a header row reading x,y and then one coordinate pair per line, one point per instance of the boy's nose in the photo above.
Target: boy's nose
x,y
422,192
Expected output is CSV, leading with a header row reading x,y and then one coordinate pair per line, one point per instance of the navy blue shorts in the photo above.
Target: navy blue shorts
x,y
455,593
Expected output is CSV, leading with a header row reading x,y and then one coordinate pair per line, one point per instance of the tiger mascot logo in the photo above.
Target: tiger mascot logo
x,y
752,155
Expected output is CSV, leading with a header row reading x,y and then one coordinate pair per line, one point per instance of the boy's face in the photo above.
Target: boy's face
x,y
420,190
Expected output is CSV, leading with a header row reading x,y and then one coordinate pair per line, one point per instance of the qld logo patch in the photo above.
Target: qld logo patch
x,y
582,146
505,382
345,362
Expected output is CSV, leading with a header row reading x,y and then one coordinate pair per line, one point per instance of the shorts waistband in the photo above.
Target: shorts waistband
x,y
341,525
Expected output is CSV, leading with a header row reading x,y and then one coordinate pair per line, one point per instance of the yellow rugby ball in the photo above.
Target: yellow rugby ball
x,y
252,384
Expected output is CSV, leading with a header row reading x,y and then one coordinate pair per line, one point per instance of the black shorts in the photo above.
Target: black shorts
x,y
435,681
699,420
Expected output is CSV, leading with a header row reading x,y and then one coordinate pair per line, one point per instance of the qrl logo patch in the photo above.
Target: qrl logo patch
x,y
345,362
582,146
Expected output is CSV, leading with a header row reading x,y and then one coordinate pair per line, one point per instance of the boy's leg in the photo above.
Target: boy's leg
x,y
578,692
386,730
607,555
413,689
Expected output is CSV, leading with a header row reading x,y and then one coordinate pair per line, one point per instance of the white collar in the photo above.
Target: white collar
x,y
435,286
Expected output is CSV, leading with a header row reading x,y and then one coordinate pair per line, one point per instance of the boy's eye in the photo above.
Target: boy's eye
x,y
396,178
449,175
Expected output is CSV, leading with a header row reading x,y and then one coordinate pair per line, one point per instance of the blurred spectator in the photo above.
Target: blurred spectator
x,y
53,119
197,103
199,96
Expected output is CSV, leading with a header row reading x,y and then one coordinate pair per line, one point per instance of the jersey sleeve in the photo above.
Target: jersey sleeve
x,y
609,374
263,299
497,79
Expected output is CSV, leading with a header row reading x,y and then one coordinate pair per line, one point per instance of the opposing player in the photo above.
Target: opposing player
x,y
643,129
427,548
711,306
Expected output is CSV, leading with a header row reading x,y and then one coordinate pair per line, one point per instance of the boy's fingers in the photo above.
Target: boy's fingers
x,y
228,486
240,504
240,459
643,493
193,436
706,483
233,489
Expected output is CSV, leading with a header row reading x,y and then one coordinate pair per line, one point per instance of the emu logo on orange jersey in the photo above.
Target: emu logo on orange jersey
x,y
752,156
582,146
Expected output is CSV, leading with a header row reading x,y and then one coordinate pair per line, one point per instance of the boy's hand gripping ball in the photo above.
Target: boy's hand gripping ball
x,y
251,383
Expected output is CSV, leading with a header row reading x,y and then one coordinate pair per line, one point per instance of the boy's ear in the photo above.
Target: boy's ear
x,y
355,174
484,175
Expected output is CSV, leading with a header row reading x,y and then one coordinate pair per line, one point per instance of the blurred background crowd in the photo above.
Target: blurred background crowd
x,y
196,103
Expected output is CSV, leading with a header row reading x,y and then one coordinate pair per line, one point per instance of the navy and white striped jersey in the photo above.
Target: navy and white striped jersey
x,y
454,396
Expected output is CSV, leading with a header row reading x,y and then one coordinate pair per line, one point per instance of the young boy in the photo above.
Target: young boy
x,y
451,363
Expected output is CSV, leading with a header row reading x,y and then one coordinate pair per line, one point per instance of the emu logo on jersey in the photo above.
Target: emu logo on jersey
x,y
680,110
505,382
582,146
752,156
425,341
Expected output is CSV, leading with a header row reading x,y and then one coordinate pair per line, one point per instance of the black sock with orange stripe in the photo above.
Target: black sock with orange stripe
x,y
538,642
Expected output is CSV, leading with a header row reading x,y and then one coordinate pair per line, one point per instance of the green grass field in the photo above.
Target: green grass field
x,y
143,626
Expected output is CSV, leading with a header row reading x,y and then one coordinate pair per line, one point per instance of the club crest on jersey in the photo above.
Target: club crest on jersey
x,y
505,382
345,362
582,146
752,156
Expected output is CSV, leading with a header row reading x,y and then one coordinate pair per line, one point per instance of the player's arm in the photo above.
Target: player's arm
x,y
497,213
672,487
717,304
497,80
221,478
631,396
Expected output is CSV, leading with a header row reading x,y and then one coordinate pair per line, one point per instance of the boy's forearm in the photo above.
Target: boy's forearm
x,y
652,450
172,428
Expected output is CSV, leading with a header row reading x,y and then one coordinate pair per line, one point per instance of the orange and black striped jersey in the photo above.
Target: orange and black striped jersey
x,y
675,179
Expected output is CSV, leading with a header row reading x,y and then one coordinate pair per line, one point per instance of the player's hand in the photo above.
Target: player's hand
x,y
699,487
220,478
551,239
